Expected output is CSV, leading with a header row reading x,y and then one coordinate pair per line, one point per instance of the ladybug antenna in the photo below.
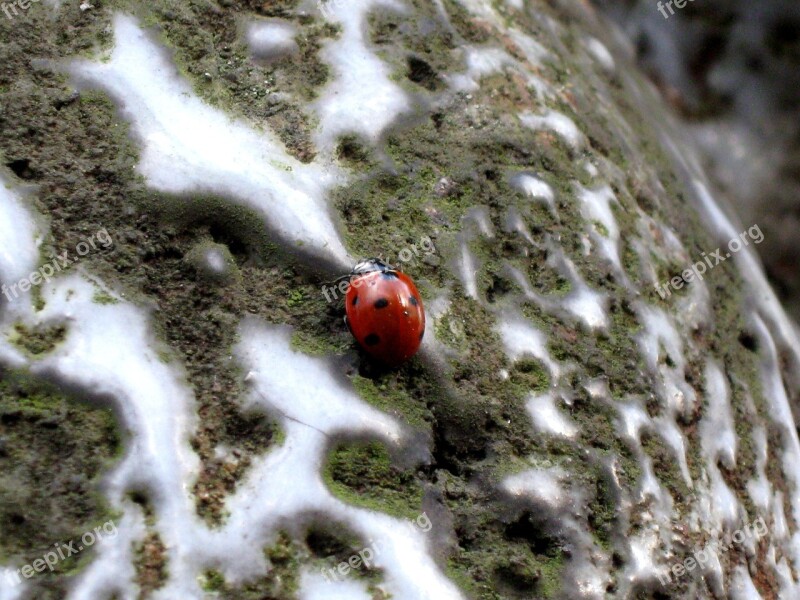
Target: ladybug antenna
x,y
336,281
371,265
381,264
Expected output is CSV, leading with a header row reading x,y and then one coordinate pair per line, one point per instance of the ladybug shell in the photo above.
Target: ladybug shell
x,y
385,314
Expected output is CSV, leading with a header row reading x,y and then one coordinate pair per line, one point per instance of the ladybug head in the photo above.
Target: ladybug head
x,y
372,264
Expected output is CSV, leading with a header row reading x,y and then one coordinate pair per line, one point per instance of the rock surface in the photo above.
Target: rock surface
x,y
732,69
586,416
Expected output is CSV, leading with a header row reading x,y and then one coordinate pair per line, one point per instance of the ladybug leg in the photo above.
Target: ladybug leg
x,y
346,322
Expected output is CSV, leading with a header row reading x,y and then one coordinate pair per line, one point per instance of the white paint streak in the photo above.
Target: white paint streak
x,y
362,98
189,147
557,123
271,39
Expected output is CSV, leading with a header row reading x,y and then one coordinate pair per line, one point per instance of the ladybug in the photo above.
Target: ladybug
x,y
384,311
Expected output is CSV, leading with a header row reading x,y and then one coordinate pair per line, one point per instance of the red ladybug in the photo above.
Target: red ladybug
x,y
384,311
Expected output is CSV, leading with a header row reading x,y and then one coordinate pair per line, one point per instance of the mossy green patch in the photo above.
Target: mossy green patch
x,y
102,297
530,375
363,474
451,331
53,441
353,151
296,297
38,341
332,543
285,557
213,581
419,50
666,466
506,560
310,344
392,397
470,28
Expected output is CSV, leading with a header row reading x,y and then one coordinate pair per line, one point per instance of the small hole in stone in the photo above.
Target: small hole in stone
x,y
421,73
749,341
21,168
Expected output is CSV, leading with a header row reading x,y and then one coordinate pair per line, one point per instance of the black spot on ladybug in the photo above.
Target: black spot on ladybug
x,y
372,339
355,300
389,275
413,300
381,303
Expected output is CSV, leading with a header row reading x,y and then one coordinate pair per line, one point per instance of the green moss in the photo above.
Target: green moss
x,y
285,557
308,343
38,300
563,287
333,543
394,399
38,341
102,297
417,50
602,510
665,465
601,229
451,331
466,25
530,375
550,573
50,440
631,261
516,560
213,581
613,354
96,99
296,297
353,151
363,474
